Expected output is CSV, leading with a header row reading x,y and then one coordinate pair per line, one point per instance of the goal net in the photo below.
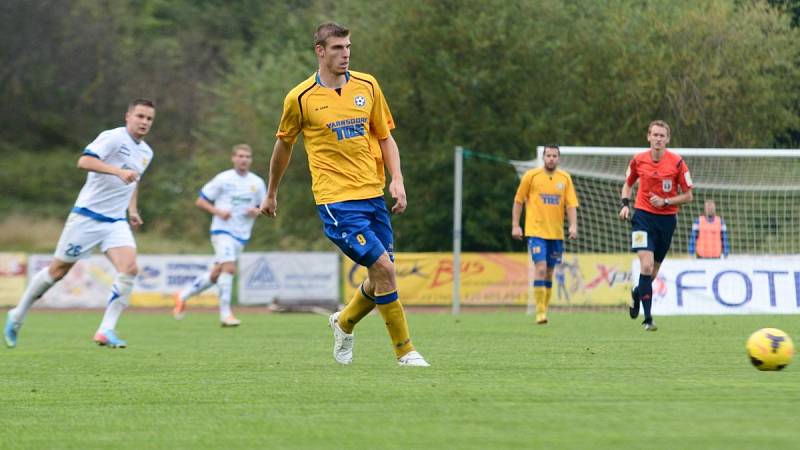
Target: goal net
x,y
756,192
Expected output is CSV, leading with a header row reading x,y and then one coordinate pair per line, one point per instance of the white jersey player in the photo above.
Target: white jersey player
x,y
232,198
116,160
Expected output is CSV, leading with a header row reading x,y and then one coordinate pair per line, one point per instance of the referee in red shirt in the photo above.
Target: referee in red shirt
x,y
664,183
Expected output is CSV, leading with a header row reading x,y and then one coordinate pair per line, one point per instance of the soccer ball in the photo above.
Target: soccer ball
x,y
770,349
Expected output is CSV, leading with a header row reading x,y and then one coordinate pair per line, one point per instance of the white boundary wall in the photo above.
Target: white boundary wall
x,y
289,278
292,279
738,285
88,283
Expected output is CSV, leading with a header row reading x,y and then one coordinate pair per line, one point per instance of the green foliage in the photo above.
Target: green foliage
x,y
497,381
495,76
36,183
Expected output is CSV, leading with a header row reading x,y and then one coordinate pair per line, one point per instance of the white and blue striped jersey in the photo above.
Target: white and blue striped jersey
x,y
236,193
106,197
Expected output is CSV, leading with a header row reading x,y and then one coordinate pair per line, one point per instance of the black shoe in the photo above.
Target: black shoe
x,y
633,310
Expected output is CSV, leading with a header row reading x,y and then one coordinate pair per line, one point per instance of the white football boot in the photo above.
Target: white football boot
x,y
413,358
342,342
230,321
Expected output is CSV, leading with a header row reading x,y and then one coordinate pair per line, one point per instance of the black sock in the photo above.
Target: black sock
x,y
645,289
636,293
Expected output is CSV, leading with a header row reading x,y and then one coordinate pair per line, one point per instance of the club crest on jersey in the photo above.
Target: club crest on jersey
x,y
560,186
666,185
360,101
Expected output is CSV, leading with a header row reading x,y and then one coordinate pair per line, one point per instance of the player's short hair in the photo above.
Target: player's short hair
x,y
659,123
243,147
328,29
555,146
141,101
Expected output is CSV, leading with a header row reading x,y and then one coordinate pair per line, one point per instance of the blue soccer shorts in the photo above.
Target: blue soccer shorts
x,y
362,229
652,232
549,250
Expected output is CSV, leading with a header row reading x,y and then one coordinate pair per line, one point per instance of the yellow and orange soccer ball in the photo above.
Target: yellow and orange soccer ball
x,y
770,349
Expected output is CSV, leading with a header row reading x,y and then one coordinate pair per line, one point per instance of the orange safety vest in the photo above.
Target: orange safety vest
x,y
709,238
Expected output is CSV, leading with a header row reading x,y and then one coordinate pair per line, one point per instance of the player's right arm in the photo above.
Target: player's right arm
x,y
631,175
519,200
281,155
209,194
261,194
94,155
516,212
625,201
289,128
95,164
209,207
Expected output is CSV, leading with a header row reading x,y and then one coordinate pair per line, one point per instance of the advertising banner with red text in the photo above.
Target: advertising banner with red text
x,y
502,279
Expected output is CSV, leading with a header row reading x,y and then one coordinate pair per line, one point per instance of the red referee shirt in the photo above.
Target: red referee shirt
x,y
661,178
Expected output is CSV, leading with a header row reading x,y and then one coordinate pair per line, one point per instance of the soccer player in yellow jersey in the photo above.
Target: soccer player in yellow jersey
x,y
546,193
343,117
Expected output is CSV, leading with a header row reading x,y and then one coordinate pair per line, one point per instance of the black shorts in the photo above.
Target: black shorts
x,y
652,232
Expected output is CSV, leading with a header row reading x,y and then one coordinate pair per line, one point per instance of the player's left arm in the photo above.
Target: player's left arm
x,y
680,199
572,209
684,181
726,246
261,194
572,218
693,237
391,159
133,210
381,125
94,164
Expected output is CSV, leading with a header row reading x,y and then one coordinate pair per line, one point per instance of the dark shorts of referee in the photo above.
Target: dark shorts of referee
x,y
652,232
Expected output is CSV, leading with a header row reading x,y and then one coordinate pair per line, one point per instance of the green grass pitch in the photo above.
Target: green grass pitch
x,y
587,380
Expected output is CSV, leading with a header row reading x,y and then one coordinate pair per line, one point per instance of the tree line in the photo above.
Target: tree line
x,y
496,76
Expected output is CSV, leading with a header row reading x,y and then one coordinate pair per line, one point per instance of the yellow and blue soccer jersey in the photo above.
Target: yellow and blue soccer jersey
x,y
546,197
341,129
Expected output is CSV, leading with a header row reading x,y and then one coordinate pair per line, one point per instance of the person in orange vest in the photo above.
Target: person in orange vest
x,y
709,234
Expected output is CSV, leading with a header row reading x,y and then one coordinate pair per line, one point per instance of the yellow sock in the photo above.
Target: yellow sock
x,y
360,305
548,294
395,319
541,306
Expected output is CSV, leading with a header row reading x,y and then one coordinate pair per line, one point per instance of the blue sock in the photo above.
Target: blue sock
x,y
645,289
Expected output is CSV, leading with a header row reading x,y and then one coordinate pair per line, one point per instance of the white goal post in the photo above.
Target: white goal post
x,y
757,193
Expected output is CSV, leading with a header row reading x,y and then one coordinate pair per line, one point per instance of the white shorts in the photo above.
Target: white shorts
x,y
81,234
226,248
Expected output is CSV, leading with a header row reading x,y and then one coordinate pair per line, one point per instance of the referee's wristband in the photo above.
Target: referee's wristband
x,y
624,202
